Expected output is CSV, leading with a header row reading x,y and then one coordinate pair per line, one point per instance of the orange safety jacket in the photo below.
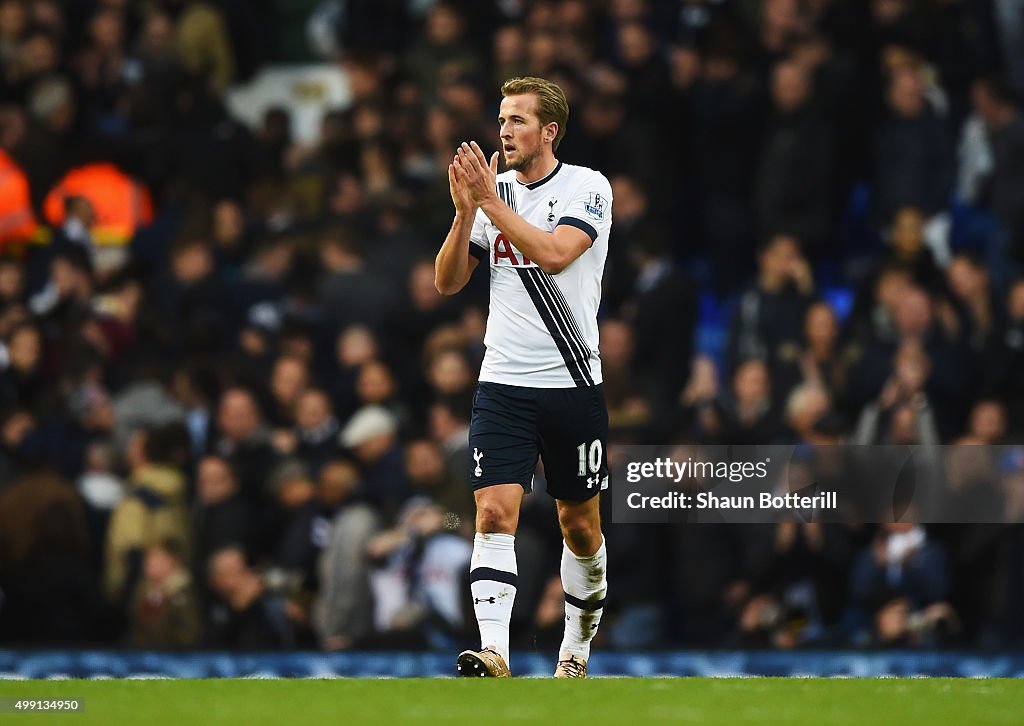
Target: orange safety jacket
x,y
121,203
17,222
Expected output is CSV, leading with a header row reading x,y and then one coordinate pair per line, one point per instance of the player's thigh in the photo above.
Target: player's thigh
x,y
574,442
503,436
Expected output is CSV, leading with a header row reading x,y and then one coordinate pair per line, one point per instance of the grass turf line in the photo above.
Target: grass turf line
x,y
630,701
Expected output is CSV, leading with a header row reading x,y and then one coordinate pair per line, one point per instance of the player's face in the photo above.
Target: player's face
x,y
520,131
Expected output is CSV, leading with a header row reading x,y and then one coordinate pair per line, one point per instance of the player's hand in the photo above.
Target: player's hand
x,y
479,175
461,197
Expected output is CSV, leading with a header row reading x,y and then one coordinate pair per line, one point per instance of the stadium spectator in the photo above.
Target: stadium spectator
x,y
21,384
903,412
661,310
792,189
911,252
819,360
725,106
246,616
350,293
165,610
220,516
301,540
711,585
289,378
343,610
152,511
371,436
1004,126
244,441
144,403
376,386
101,490
913,163
419,585
443,48
978,311
695,417
806,406
987,422
430,476
770,313
316,429
1007,354
448,424
51,590
747,413
202,42
627,408
899,584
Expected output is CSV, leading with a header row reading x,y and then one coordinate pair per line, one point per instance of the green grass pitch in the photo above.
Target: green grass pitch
x,y
486,702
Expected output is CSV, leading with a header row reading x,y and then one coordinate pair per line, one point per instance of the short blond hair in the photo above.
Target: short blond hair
x,y
552,105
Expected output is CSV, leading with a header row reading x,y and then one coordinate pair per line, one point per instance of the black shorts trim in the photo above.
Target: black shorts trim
x,y
527,485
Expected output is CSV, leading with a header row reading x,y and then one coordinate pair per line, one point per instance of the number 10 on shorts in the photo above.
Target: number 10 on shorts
x,y
590,457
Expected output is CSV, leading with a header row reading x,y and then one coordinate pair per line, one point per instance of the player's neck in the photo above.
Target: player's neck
x,y
541,168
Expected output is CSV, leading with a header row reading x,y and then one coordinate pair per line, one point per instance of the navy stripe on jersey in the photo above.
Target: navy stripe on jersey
x,y
563,306
575,363
580,225
507,195
477,251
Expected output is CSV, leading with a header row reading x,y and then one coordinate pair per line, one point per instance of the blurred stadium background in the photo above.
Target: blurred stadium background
x,y
233,409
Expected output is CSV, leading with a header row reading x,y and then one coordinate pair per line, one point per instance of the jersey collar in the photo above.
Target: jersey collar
x,y
534,185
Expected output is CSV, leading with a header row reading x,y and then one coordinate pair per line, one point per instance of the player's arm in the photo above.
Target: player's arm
x,y
454,264
552,251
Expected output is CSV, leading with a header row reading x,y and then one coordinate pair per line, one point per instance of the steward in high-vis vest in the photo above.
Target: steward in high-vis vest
x,y
17,222
121,203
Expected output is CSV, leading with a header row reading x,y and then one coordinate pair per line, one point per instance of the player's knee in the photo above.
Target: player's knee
x,y
581,534
493,517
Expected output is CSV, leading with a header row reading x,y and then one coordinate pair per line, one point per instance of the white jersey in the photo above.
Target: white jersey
x,y
541,328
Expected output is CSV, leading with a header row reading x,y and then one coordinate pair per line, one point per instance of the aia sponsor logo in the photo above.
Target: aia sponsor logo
x,y
503,250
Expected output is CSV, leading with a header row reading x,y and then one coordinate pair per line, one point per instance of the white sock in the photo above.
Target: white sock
x,y
585,585
492,580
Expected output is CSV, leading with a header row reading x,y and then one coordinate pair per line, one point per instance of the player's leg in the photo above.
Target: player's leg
x,y
493,576
573,447
503,445
583,570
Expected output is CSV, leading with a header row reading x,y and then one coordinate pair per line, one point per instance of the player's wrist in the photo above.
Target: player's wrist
x,y
489,202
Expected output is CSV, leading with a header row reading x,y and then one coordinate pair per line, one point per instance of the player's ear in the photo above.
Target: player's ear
x,y
550,132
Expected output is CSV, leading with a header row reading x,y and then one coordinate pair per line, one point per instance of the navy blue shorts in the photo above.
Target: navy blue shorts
x,y
567,427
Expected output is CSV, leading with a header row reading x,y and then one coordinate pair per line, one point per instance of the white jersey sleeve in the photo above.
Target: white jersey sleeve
x,y
478,242
589,207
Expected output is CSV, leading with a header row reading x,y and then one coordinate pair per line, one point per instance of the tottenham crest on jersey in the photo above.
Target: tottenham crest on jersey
x,y
595,206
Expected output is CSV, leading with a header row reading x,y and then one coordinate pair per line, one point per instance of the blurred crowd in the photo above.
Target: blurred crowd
x,y
234,409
